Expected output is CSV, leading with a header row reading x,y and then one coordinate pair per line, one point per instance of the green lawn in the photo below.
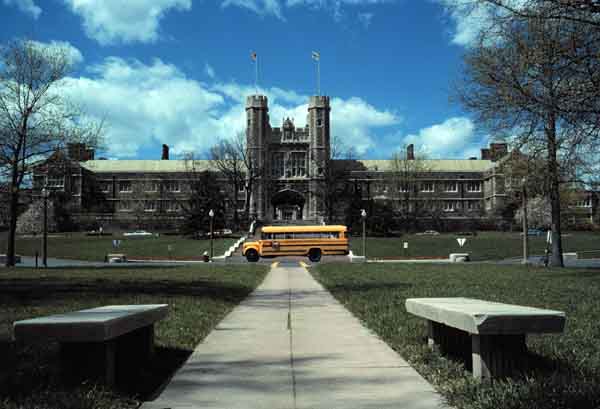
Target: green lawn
x,y
198,299
484,246
566,373
82,247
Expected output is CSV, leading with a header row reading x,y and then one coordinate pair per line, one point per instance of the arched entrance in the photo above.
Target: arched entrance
x,y
288,205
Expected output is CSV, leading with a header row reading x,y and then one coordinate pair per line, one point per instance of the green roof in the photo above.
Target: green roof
x,y
146,166
435,165
174,166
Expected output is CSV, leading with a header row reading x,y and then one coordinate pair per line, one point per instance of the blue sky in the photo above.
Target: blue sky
x,y
178,71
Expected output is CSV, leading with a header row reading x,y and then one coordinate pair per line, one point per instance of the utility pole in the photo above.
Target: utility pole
x,y
524,221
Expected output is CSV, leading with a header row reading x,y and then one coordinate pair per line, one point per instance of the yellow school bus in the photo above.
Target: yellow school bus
x,y
311,241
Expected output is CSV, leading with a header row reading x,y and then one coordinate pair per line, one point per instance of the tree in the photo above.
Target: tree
x,y
405,184
35,120
334,180
229,157
519,82
205,194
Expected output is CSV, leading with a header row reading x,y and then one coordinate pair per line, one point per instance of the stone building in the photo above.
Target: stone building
x,y
293,169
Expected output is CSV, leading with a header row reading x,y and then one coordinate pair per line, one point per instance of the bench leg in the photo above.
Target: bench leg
x,y
89,360
497,356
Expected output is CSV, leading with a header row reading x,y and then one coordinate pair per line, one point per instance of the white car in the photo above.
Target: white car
x,y
138,233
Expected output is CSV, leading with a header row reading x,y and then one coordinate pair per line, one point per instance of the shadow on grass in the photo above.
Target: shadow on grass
x,y
26,291
30,374
368,286
27,371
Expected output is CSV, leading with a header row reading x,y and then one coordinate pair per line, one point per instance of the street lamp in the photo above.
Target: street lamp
x,y
524,221
45,194
363,215
211,214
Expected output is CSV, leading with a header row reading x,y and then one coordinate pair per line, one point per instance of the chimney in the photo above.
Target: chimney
x,y
410,152
485,154
165,152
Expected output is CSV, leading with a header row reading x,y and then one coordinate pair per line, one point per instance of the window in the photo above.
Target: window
x,y
451,187
55,182
125,186
172,186
449,206
124,206
149,206
319,122
241,188
473,186
152,186
427,187
171,206
278,164
587,202
298,164
105,187
473,205
403,188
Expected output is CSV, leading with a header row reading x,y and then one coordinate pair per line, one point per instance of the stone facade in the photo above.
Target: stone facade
x,y
292,165
289,160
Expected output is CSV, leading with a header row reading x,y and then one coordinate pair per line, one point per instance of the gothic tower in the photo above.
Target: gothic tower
x,y
257,132
319,150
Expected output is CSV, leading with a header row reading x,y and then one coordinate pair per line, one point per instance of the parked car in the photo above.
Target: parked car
x,y
138,233
534,232
429,233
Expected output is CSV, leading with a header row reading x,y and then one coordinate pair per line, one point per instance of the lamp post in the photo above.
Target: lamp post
x,y
524,221
45,194
211,214
363,215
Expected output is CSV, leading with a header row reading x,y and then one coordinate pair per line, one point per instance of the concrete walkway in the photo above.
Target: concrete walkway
x,y
292,345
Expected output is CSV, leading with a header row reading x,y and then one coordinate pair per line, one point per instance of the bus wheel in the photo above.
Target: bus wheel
x,y
252,255
314,255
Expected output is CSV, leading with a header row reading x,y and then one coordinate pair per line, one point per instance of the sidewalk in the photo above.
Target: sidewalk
x,y
292,345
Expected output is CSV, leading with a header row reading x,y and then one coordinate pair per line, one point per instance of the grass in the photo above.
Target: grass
x,y
566,373
484,246
82,247
198,299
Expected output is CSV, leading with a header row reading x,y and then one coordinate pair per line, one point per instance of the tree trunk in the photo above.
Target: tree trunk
x,y
556,259
12,226
236,222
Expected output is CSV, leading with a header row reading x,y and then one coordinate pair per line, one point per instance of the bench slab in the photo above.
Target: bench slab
x,y
490,336
486,317
98,343
93,325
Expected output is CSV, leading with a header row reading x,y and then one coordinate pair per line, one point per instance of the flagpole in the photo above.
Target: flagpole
x,y
319,76
256,74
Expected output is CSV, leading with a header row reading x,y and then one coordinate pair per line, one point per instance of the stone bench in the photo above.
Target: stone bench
x,y
458,257
97,343
3,259
489,334
115,258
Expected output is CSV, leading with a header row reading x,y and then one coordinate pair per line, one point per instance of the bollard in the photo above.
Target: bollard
x,y
36,259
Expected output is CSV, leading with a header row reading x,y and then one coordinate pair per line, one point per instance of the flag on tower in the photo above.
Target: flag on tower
x,y
253,56
316,56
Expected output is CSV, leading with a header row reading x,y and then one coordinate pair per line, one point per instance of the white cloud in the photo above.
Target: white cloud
x,y
471,19
71,52
26,6
210,71
262,7
365,19
453,138
113,21
275,7
146,104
